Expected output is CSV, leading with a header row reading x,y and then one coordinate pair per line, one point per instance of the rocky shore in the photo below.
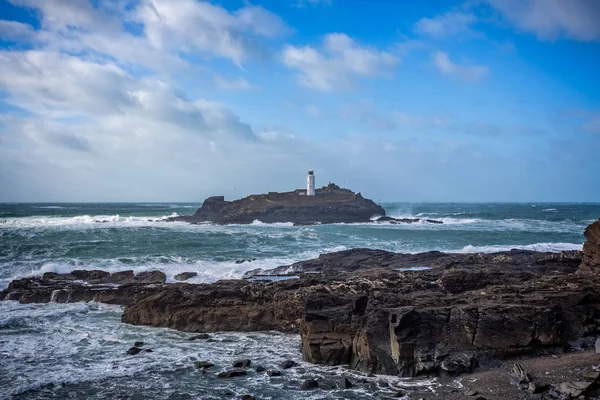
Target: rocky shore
x,y
407,315
330,205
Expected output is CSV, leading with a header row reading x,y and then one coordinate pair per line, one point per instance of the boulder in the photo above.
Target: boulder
x,y
273,372
133,351
203,364
201,336
245,363
139,344
288,364
309,384
184,276
150,277
232,373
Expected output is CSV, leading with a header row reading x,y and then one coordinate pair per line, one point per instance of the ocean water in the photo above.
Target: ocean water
x,y
78,350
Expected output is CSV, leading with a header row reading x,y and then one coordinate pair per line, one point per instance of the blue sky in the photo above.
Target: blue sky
x,y
156,100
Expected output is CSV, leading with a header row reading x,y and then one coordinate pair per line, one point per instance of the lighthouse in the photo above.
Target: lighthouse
x,y
310,183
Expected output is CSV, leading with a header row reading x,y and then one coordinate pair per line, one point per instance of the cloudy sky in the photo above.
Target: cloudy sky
x,y
176,100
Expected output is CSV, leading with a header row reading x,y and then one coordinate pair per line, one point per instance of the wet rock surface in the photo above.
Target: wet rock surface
x,y
184,276
591,248
375,311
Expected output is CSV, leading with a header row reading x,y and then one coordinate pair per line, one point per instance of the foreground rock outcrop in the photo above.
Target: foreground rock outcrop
x,y
591,248
331,204
379,312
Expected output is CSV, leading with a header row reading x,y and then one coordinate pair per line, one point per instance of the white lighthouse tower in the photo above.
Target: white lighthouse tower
x,y
310,183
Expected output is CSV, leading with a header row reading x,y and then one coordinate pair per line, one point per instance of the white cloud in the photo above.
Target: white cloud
x,y
449,24
189,26
338,63
238,83
470,73
552,19
12,30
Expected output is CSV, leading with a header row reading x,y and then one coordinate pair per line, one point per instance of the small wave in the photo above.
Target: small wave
x,y
51,207
543,247
550,210
257,222
80,221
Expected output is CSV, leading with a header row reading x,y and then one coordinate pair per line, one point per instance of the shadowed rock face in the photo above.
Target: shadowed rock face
x,y
331,204
591,248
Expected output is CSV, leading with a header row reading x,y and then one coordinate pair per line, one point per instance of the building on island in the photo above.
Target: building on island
x,y
310,183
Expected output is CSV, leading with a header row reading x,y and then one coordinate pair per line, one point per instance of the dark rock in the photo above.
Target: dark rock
x,y
148,350
232,373
309,384
203,364
139,344
133,351
260,368
519,377
591,249
150,277
184,276
248,397
344,383
287,364
201,336
273,372
323,385
537,388
331,204
245,363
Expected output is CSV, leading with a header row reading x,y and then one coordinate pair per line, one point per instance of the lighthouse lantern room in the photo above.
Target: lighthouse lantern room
x,y
310,183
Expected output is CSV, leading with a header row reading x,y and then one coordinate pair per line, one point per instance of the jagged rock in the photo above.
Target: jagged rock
x,y
232,373
203,364
245,363
139,344
591,249
273,372
309,384
344,383
519,377
201,336
133,351
288,364
184,276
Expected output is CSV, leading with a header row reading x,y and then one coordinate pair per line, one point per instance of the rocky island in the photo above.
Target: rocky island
x,y
428,314
327,205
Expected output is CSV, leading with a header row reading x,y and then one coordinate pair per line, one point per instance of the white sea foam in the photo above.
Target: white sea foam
x,y
81,221
82,346
549,247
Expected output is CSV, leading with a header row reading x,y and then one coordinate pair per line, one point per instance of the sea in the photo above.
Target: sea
x,y
78,350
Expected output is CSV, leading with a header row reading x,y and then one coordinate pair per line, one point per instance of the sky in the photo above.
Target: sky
x,y
178,100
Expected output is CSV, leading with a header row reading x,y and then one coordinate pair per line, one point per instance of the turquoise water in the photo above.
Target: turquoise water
x,y
77,350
